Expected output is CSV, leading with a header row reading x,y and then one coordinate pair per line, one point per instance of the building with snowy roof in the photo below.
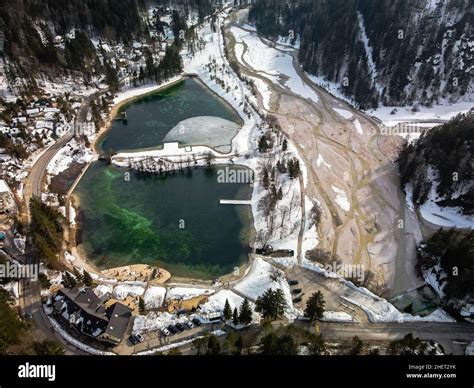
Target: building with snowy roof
x,y
90,315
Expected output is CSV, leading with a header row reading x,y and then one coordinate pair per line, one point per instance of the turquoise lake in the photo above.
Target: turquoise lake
x,y
174,221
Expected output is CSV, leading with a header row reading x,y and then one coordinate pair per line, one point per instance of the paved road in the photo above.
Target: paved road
x,y
30,292
451,336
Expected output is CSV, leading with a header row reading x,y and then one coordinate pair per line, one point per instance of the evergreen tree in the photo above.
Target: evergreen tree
x,y
227,311
356,347
48,348
213,346
86,278
245,313
141,306
12,327
265,179
263,144
294,168
239,345
111,77
271,304
69,281
316,345
280,194
315,306
235,317
282,346
77,274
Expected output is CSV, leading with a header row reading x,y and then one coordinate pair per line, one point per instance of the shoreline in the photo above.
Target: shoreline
x,y
117,106
72,199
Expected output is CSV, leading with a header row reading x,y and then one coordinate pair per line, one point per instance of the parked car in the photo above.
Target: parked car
x,y
133,340
297,299
293,282
139,337
180,326
296,291
188,324
165,332
197,321
173,329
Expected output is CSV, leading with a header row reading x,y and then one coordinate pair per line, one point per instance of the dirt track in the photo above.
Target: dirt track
x,y
359,164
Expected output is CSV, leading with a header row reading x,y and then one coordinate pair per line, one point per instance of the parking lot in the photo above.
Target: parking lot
x,y
310,282
155,339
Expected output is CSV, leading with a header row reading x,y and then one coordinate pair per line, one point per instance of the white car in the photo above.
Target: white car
x,y
165,332
139,337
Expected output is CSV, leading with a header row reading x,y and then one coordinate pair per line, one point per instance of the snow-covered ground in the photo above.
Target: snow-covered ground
x,y
341,199
321,162
216,302
310,236
358,127
343,113
135,92
155,321
377,309
264,91
436,278
74,151
154,297
271,63
445,216
174,345
133,289
406,114
262,276
184,293
337,316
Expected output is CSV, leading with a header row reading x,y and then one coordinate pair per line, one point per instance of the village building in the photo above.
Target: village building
x,y
93,316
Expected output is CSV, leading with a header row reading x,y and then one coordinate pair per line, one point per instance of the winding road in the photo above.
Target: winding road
x,y
30,292
447,334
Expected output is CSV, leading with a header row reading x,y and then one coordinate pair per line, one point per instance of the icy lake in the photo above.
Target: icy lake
x,y
180,111
173,221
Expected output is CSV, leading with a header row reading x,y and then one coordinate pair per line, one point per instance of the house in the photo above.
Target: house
x,y
89,315
32,112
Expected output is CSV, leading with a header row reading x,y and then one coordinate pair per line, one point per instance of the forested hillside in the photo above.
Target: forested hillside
x,y
444,157
30,28
449,255
394,52
52,39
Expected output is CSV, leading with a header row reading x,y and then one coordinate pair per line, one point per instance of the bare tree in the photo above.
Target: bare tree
x,y
209,157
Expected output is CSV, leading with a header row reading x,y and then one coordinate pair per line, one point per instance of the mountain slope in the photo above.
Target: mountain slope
x,y
441,164
380,51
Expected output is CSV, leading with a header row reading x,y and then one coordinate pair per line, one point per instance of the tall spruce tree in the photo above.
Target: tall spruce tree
x,y
245,313
227,311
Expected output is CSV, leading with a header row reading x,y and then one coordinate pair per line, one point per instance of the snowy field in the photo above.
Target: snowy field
x,y
73,152
345,114
405,114
184,293
273,64
260,278
451,217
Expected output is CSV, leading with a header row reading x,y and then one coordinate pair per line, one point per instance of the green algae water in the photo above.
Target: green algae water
x,y
173,221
